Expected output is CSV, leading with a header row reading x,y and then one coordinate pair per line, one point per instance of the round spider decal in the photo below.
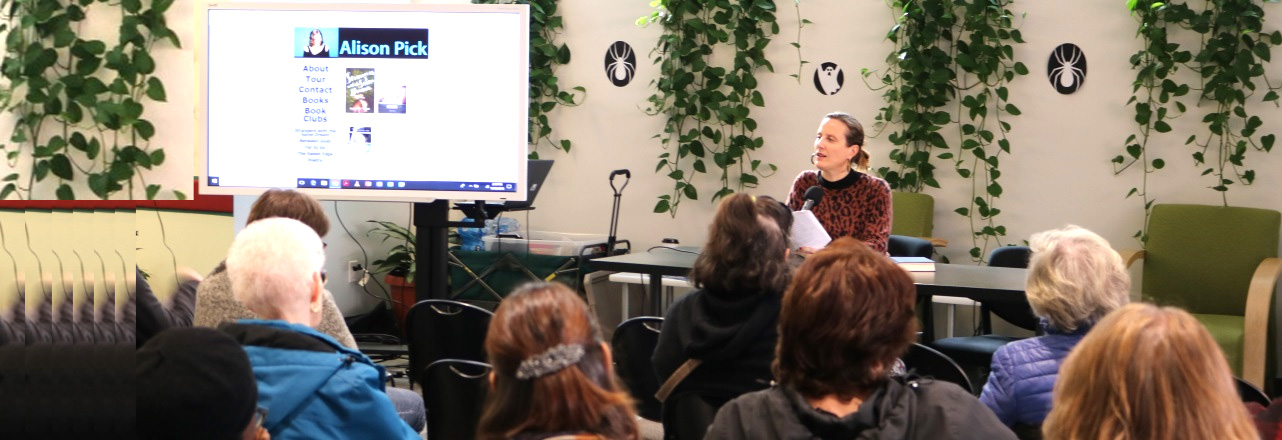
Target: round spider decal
x,y
1066,68
829,78
620,63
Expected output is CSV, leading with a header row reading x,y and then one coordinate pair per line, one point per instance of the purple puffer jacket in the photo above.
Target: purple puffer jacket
x,y
1024,372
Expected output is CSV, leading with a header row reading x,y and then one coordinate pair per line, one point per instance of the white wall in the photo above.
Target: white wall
x,y
173,119
1059,171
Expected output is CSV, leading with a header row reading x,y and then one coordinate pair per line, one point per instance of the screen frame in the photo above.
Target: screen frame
x,y
201,34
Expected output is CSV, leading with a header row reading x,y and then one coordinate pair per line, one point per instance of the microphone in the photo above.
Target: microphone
x,y
813,196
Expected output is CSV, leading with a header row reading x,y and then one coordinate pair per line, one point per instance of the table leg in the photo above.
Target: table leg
x,y
928,320
656,295
952,312
627,298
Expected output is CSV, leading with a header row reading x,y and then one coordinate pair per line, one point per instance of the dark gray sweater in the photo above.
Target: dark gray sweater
x,y
901,409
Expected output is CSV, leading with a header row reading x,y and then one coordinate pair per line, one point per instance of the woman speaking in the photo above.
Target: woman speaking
x,y
855,204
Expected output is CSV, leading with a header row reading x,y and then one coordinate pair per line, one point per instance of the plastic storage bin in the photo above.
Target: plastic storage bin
x,y
549,243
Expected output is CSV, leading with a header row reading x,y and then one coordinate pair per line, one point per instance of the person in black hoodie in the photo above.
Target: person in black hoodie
x,y
845,319
729,324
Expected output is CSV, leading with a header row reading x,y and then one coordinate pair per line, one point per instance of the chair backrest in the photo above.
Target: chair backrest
x,y
928,362
904,246
1250,393
634,342
1201,258
1019,314
687,416
442,329
454,392
914,214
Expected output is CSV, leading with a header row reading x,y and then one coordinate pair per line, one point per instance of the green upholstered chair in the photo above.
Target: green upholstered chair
x,y
1220,264
913,215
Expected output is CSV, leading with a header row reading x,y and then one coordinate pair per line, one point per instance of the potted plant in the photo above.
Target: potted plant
x,y
398,265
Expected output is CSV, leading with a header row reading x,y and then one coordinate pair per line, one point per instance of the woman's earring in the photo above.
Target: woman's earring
x,y
812,158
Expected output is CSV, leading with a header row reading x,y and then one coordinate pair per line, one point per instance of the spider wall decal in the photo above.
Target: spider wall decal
x,y
620,63
1066,68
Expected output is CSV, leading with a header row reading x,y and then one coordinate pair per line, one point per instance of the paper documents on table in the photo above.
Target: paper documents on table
x,y
807,232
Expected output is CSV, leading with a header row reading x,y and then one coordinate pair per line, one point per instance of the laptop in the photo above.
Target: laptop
x,y
534,176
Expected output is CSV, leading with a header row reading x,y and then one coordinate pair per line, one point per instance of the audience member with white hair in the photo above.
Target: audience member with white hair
x,y
311,385
1074,279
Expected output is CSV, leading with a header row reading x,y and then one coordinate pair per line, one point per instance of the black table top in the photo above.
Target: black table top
x,y
980,283
661,261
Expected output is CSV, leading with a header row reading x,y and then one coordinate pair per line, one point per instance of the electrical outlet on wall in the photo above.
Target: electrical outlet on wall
x,y
354,271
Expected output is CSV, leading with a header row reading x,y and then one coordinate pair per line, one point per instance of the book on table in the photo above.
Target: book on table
x,y
915,264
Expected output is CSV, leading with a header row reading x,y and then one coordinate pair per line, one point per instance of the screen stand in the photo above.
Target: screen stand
x,y
432,224
432,235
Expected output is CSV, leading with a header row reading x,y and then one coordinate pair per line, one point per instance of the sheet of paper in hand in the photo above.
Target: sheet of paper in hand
x,y
807,232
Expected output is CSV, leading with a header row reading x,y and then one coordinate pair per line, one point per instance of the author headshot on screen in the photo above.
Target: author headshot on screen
x,y
313,43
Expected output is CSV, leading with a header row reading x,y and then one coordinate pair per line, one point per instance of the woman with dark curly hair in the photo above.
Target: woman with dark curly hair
x,y
846,318
729,325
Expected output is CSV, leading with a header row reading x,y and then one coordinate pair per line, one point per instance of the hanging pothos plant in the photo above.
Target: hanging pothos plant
x,y
801,24
1155,93
951,52
707,107
545,56
1229,60
79,103
986,65
919,85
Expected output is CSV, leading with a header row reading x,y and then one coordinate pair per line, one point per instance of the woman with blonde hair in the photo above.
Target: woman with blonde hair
x,y
552,375
1147,373
1074,279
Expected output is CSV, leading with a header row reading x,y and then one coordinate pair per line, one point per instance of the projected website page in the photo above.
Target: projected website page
x,y
365,100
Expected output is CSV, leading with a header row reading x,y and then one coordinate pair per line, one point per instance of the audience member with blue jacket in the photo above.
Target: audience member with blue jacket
x,y
311,385
1074,279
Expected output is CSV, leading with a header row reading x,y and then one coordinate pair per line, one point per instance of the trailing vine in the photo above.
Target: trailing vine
x,y
1229,59
986,65
951,52
546,55
919,86
1154,92
79,103
801,23
708,107
1233,46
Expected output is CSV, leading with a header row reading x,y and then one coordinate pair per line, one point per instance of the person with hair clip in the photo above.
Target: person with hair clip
x,y
552,377
846,318
718,341
1147,372
855,203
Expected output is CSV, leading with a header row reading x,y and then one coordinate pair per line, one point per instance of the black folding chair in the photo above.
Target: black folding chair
x,y
905,246
454,391
927,362
687,416
442,329
975,353
634,343
1250,393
